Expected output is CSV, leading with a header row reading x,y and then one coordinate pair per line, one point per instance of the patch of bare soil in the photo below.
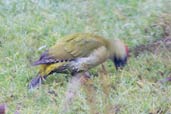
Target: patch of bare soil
x,y
159,47
156,47
162,45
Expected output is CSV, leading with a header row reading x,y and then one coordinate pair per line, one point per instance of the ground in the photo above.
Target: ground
x,y
143,87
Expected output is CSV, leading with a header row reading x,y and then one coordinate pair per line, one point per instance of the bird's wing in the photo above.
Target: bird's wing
x,y
71,47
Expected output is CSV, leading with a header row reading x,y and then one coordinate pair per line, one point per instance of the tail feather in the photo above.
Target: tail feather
x,y
36,82
44,71
36,63
45,61
48,61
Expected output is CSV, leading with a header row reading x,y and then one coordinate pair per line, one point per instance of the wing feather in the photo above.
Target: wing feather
x,y
71,47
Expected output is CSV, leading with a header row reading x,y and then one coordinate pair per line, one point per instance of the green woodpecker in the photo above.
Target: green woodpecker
x,y
78,53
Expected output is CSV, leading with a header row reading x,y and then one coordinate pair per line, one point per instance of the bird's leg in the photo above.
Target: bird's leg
x,y
104,79
105,85
104,69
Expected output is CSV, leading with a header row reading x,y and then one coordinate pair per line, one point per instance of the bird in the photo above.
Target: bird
x,y
77,53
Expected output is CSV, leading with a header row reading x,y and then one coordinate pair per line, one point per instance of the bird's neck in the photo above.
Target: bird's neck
x,y
116,48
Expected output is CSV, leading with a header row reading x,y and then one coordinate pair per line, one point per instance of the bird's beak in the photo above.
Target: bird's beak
x,y
120,62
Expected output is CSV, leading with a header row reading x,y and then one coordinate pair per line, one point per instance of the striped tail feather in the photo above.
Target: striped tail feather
x,y
36,82
45,61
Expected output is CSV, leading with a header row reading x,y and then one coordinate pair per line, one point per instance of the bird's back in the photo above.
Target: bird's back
x,y
70,48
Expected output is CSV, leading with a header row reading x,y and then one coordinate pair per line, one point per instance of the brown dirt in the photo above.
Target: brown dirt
x,y
162,45
156,47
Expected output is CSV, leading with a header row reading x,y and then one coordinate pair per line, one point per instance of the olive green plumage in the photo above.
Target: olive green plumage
x,y
78,53
76,45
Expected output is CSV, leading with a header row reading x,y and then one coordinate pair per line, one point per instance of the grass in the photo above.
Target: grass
x,y
29,27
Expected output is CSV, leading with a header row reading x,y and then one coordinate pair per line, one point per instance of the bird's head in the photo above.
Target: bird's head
x,y
119,53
